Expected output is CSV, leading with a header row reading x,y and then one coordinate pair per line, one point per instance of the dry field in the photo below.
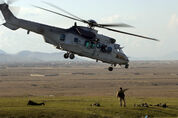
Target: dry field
x,y
144,79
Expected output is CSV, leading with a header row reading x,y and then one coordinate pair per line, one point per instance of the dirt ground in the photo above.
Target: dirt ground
x,y
143,78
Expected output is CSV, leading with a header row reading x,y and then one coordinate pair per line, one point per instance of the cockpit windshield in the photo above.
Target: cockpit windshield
x,y
118,48
120,51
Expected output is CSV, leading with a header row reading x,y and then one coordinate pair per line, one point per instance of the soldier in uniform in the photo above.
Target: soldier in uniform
x,y
121,95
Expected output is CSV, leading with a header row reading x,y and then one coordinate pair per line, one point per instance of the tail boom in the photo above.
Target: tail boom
x,y
14,23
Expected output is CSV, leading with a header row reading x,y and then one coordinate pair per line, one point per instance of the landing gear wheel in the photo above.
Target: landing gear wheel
x,y
72,56
66,55
110,68
127,66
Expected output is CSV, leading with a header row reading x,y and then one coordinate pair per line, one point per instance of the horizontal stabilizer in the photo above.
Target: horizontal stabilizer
x,y
10,26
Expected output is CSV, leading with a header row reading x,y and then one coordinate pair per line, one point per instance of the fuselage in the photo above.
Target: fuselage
x,y
99,48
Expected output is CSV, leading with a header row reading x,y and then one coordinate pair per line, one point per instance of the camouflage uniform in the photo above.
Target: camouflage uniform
x,y
121,95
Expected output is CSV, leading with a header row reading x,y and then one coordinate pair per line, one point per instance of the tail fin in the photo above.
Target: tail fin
x,y
8,16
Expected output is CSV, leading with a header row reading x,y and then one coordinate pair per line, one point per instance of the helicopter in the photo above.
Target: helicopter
x,y
76,40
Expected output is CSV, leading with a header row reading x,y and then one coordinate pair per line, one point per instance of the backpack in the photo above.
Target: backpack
x,y
121,94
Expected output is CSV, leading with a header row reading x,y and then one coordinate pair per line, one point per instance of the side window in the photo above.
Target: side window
x,y
103,48
62,37
76,40
98,45
106,49
109,49
93,45
87,44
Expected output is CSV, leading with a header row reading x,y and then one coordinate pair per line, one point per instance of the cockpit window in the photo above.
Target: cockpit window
x,y
121,51
117,46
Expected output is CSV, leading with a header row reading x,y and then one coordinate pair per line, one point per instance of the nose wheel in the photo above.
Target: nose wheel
x,y
127,66
69,55
114,65
110,68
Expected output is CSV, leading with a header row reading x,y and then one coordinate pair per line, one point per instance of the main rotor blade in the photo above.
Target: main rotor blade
x,y
54,6
115,25
131,34
11,1
57,13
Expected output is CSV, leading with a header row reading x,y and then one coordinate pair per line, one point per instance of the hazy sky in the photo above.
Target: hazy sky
x,y
153,18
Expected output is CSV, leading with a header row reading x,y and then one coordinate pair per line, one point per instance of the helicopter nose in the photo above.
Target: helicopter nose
x,y
126,59
123,57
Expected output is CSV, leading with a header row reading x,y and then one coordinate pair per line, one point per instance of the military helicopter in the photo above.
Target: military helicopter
x,y
76,40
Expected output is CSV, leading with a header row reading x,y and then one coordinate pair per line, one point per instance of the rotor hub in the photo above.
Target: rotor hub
x,y
92,23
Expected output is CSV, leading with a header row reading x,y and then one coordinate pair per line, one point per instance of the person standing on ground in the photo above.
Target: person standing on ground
x,y
121,95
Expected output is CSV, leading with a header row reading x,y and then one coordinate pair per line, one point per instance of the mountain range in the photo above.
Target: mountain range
x,y
31,57
40,57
